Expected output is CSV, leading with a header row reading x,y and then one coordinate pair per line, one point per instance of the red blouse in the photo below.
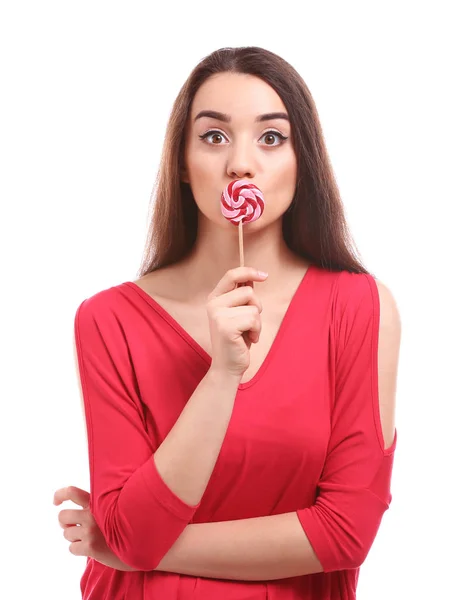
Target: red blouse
x,y
305,435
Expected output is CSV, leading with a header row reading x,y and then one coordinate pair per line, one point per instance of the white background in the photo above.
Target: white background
x,y
86,91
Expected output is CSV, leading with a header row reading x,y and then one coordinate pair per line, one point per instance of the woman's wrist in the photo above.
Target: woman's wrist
x,y
224,379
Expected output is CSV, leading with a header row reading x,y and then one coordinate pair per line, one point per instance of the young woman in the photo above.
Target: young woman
x,y
240,426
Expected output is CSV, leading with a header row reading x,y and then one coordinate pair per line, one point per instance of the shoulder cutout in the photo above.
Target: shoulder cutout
x,y
388,358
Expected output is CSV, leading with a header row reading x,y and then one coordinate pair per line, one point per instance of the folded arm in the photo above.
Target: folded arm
x,y
338,530
263,548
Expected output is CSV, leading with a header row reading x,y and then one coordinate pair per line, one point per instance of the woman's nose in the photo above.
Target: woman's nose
x,y
240,163
241,170
240,174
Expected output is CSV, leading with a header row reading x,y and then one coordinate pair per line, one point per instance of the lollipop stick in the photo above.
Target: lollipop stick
x,y
241,244
241,253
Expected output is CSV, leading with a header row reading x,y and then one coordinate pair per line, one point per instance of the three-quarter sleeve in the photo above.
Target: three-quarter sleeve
x,y
138,514
354,488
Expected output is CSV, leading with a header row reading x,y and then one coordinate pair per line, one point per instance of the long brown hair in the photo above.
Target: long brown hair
x,y
314,226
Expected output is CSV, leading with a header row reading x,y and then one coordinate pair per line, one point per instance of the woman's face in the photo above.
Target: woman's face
x,y
242,147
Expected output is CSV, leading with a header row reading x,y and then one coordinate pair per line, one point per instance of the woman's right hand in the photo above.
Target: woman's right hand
x,y
232,311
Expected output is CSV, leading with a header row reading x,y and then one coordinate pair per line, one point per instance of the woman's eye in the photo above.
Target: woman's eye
x,y
267,134
272,134
213,134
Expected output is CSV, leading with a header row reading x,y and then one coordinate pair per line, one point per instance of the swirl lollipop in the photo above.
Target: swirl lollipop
x,y
241,202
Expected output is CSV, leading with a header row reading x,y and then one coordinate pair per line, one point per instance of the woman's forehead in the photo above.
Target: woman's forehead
x,y
236,96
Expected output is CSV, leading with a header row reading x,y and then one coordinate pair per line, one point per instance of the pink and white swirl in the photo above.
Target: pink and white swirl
x,y
242,201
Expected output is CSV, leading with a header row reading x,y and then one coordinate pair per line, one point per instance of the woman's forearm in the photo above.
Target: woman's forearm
x,y
257,549
186,458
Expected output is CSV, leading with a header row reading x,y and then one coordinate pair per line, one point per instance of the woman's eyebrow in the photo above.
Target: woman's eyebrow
x,y
213,114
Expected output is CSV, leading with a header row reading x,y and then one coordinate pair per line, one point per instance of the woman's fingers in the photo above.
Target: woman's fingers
x,y
70,517
234,277
72,534
244,295
73,494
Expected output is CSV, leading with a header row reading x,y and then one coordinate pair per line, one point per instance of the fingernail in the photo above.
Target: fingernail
x,y
263,274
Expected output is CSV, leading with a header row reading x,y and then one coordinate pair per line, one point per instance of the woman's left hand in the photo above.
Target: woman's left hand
x,y
81,529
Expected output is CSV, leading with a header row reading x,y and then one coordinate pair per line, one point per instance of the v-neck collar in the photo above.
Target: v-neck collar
x,y
201,351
